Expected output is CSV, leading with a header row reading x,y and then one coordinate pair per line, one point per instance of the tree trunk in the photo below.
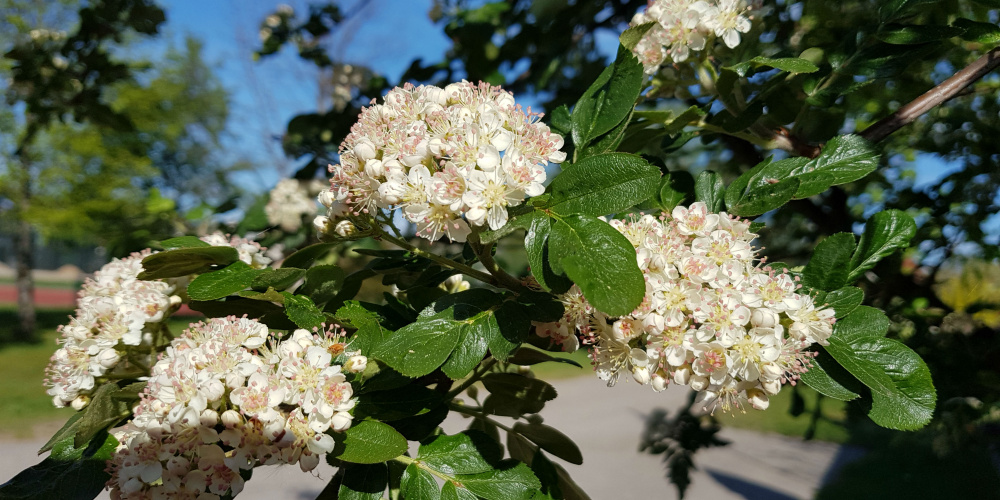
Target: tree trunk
x,y
25,331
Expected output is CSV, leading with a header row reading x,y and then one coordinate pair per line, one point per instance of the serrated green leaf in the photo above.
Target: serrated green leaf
x,y
279,279
708,188
304,257
368,442
885,232
829,265
536,247
603,184
513,324
561,122
916,34
226,281
551,440
109,405
451,492
514,395
420,347
843,301
69,429
675,189
186,261
370,332
608,100
471,348
764,198
364,482
183,242
68,473
787,64
469,452
600,260
301,310
974,31
527,356
322,283
515,482
631,37
605,143
823,383
271,295
399,403
418,484
903,395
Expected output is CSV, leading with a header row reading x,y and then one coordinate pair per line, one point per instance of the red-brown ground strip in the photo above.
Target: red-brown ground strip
x,y
61,298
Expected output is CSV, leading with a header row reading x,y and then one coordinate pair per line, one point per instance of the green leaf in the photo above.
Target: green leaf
x,y
894,9
903,395
68,473
420,347
676,188
304,258
916,34
608,100
823,383
885,232
600,260
471,348
708,188
402,402
535,245
603,184
368,442
632,36
828,267
364,482
185,261
322,283
513,395
787,64
843,301
418,484
551,440
561,122
527,356
451,492
279,279
183,242
974,31
370,332
515,482
69,429
605,143
226,281
301,310
109,405
513,324
762,199
469,452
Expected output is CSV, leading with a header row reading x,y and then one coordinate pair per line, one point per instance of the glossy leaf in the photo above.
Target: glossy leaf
x,y
916,34
600,260
418,484
364,482
608,100
469,452
603,184
305,257
843,300
183,242
885,232
708,188
226,281
788,64
676,188
515,482
551,440
829,265
301,310
820,380
420,347
279,279
527,356
515,395
368,442
68,473
186,261
903,395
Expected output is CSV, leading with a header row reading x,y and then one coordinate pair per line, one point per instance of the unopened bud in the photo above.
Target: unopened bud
x,y
231,418
763,318
472,391
699,383
346,229
757,399
341,421
659,383
356,364
80,402
209,418
771,387
108,358
640,375
682,375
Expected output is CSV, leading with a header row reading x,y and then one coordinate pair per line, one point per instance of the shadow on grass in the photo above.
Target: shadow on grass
x,y
48,319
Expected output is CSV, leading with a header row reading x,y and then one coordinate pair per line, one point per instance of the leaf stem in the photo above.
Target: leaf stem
x,y
403,459
485,255
478,414
478,374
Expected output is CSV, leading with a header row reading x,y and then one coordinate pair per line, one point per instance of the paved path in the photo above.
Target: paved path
x,y
606,423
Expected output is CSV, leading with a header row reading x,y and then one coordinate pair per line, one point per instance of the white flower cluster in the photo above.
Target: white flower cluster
x,y
250,251
116,313
447,157
288,204
712,319
683,26
224,398
120,317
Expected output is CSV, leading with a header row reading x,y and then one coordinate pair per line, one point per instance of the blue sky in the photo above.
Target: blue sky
x,y
266,94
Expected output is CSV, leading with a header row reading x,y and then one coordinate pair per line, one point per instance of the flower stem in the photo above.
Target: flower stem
x,y
481,370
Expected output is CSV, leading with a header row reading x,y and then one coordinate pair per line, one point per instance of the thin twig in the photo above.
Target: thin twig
x,y
933,97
